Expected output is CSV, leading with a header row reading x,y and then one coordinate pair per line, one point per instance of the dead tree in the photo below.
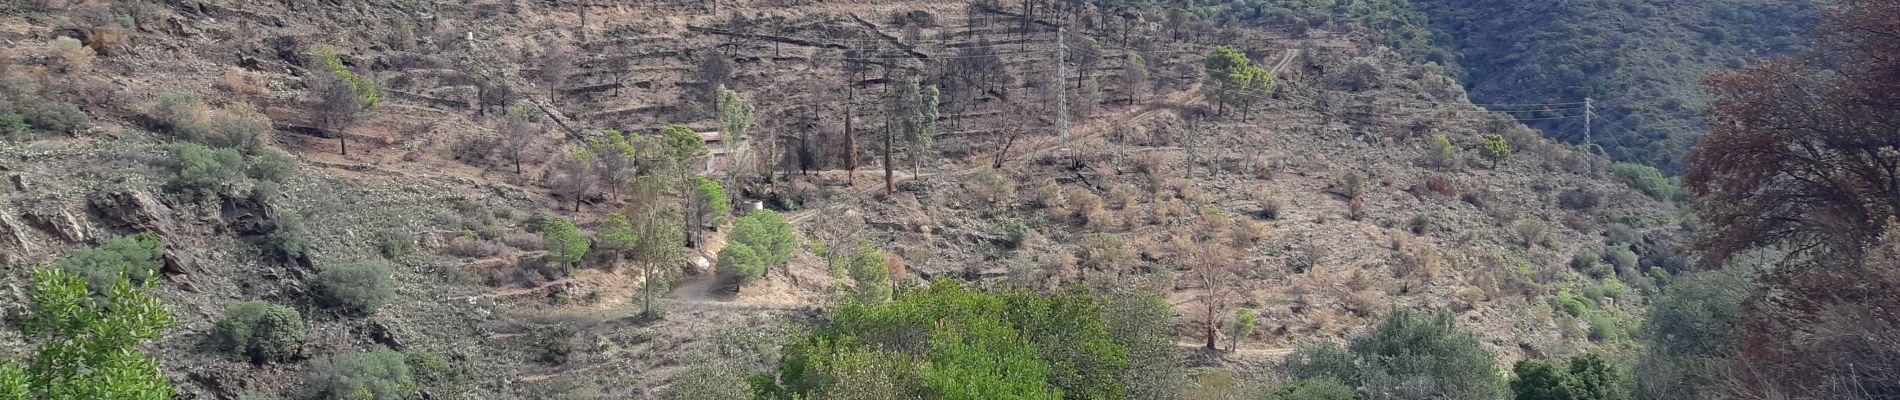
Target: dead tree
x,y
335,108
556,63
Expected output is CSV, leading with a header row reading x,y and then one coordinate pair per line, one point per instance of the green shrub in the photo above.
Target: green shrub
x,y
360,286
871,277
182,114
1600,271
54,116
1584,260
1570,304
1015,232
1589,377
740,263
288,243
264,192
11,124
1313,389
1605,327
1442,154
1648,180
554,344
1623,257
393,245
431,368
375,375
1422,223
259,331
960,343
1412,353
201,172
137,258
271,165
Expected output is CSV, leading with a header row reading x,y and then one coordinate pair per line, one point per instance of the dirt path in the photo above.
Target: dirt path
x,y
1243,353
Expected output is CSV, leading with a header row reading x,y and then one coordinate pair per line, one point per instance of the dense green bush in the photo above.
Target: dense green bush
x,y
431,368
11,124
259,331
1015,233
870,276
360,286
201,172
271,165
288,242
394,244
947,341
376,375
1313,389
1410,355
1589,377
1650,181
137,258
740,263
767,233
1690,330
54,116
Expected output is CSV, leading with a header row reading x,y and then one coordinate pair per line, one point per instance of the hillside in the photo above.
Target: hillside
x,y
1642,61
1325,196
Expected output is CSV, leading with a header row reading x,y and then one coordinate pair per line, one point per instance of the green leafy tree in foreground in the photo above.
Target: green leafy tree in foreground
x,y
88,346
1589,377
565,243
972,344
1410,355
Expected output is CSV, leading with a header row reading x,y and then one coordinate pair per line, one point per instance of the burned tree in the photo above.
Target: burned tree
x,y
556,64
517,135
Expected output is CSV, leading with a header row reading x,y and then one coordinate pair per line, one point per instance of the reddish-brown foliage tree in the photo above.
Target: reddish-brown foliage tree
x,y
1802,150
1803,157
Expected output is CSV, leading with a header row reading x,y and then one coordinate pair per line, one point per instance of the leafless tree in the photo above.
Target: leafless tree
x,y
517,136
556,63
714,71
335,107
572,176
493,94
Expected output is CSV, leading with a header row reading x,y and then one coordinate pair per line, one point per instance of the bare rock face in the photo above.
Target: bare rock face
x,y
133,210
59,223
248,217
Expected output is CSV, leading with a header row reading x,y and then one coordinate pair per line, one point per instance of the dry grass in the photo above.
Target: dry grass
x,y
243,86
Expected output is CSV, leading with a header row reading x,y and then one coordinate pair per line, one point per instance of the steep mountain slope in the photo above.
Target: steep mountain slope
x,y
1642,61
1329,185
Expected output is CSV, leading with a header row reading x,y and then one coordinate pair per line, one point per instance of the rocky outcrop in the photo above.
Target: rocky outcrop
x,y
132,210
59,223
